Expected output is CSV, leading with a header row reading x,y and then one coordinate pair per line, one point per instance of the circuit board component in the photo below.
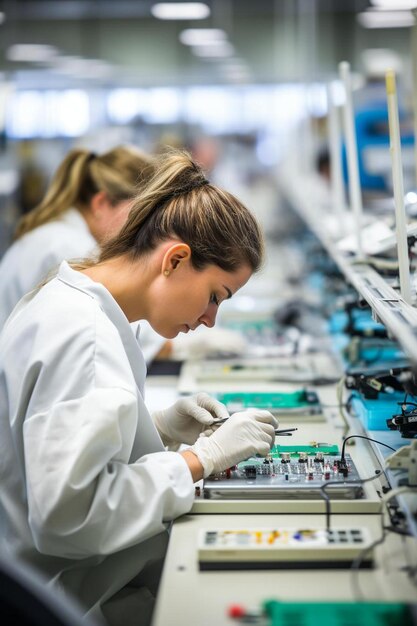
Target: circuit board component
x,y
288,472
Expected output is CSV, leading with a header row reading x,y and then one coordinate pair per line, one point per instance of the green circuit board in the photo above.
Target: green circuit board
x,y
338,613
238,401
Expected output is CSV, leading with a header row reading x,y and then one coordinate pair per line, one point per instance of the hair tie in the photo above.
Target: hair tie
x,y
199,183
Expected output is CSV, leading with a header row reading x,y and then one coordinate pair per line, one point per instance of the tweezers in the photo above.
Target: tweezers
x,y
285,432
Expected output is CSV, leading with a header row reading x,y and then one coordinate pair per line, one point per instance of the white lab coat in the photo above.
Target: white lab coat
x,y
86,485
30,259
33,256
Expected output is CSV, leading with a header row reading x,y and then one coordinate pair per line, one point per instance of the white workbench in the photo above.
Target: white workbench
x,y
189,596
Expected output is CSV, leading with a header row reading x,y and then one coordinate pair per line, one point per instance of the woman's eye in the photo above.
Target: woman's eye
x,y
213,298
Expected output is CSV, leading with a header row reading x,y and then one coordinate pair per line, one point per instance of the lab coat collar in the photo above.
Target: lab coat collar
x,y
108,304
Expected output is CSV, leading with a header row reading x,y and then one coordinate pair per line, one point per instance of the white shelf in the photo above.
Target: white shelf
x,y
399,318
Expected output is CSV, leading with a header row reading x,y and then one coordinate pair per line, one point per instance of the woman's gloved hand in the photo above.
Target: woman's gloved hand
x,y
244,434
185,420
205,342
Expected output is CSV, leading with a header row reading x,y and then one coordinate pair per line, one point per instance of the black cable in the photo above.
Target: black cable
x,y
329,483
398,531
405,403
381,443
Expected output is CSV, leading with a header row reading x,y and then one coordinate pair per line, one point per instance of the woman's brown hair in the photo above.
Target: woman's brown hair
x,y
179,202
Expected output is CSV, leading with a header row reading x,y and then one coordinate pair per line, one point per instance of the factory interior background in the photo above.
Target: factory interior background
x,y
305,110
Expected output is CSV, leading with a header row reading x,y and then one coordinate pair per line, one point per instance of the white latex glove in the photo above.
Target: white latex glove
x,y
185,420
244,434
205,342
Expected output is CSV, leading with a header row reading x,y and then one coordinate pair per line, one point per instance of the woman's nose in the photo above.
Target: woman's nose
x,y
209,316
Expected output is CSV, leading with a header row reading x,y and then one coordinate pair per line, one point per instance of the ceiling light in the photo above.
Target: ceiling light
x,y
180,10
31,53
2,17
202,36
385,19
83,68
64,62
397,5
224,50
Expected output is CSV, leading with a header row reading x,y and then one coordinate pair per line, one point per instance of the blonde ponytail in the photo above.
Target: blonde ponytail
x,y
61,195
119,172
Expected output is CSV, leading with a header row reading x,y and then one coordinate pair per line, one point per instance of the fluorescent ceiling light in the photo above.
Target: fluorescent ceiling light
x,y
202,36
82,68
397,5
2,17
224,50
385,19
180,10
31,53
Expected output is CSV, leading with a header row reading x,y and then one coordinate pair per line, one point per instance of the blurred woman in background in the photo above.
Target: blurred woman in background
x,y
87,202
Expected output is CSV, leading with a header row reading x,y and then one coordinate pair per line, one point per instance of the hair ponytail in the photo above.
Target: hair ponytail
x,y
179,202
62,192
119,172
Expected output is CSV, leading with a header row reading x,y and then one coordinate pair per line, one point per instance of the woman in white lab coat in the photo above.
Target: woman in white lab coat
x,y
87,201
87,486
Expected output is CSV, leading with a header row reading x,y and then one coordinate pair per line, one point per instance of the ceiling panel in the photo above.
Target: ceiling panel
x,y
273,40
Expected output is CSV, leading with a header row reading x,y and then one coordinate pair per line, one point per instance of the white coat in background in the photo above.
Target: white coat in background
x,y
30,259
86,485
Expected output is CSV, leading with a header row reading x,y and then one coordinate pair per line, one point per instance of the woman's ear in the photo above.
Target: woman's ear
x,y
176,255
99,204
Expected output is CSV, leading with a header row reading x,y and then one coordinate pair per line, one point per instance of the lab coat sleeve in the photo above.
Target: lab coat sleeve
x,y
84,497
